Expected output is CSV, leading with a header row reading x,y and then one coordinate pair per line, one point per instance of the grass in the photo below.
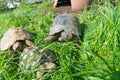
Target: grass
x,y
96,58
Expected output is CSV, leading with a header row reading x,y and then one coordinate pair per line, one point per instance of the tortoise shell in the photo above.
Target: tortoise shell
x,y
13,35
36,58
65,22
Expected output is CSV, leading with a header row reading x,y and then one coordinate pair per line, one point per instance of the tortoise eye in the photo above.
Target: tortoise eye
x,y
67,35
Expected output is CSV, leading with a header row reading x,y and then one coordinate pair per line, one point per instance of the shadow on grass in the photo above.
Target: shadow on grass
x,y
81,30
115,76
4,10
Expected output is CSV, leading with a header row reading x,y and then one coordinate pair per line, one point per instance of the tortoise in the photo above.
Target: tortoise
x,y
16,39
35,58
64,28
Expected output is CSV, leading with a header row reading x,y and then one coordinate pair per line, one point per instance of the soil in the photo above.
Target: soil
x,y
65,9
62,9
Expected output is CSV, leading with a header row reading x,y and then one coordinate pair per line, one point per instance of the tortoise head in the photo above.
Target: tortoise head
x,y
65,36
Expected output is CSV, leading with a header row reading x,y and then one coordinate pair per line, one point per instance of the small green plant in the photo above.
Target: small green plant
x,y
2,4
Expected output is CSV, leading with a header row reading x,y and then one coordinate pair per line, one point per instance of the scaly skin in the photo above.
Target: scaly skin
x,y
50,39
17,46
65,36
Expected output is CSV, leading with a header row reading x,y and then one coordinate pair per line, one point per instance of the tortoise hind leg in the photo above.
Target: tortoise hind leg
x,y
47,65
39,74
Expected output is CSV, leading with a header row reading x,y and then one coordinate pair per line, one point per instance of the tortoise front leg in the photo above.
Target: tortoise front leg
x,y
29,43
50,38
17,46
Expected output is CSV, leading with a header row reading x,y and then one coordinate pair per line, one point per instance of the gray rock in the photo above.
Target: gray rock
x,y
11,4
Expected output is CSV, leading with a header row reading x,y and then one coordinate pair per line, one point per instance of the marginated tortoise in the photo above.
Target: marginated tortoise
x,y
64,28
16,39
37,60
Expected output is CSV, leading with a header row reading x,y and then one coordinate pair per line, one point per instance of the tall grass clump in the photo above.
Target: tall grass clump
x,y
101,41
